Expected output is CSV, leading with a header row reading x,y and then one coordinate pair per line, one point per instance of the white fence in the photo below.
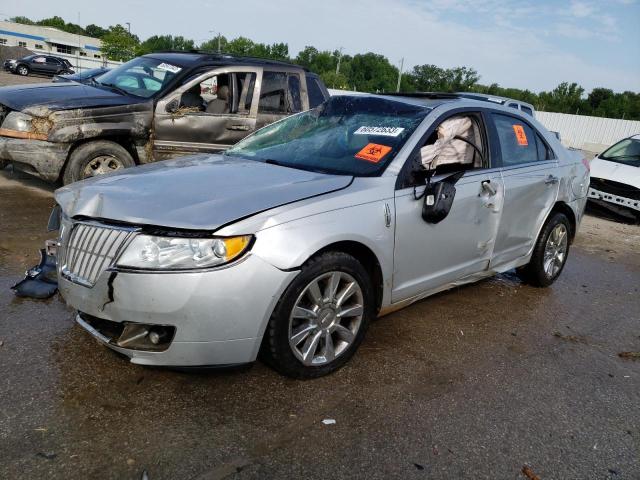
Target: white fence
x,y
85,63
592,134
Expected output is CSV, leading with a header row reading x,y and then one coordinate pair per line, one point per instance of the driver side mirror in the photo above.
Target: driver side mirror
x,y
172,106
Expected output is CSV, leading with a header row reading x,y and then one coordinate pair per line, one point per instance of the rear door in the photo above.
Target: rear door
x,y
194,118
282,93
52,66
531,180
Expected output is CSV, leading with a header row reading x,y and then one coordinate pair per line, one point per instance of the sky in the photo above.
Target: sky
x,y
515,43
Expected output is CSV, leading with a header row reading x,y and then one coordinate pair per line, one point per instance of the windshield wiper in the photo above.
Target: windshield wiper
x,y
115,87
615,157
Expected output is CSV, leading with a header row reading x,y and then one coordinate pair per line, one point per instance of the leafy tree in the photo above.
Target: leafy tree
x,y
118,44
371,72
212,45
158,43
22,20
95,31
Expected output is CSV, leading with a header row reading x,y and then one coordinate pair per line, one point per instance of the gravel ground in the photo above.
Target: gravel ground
x,y
478,382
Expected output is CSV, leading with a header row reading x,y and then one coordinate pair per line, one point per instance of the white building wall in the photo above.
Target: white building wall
x,y
592,134
81,51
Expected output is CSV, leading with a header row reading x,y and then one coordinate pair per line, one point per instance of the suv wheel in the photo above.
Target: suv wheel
x,y
22,70
549,254
321,319
96,158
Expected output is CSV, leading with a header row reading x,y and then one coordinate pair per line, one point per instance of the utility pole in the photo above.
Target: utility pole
x,y
128,24
339,58
78,54
400,74
219,37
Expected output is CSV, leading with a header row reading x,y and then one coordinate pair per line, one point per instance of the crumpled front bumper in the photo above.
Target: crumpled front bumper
x,y
39,157
617,200
220,315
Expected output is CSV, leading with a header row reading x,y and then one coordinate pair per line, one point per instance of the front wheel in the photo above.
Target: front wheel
x,y
549,254
23,70
96,158
321,319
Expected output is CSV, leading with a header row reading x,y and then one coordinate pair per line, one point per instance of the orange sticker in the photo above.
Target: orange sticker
x,y
373,152
521,137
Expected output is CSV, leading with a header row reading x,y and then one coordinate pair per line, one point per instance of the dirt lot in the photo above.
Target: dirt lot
x,y
7,78
474,383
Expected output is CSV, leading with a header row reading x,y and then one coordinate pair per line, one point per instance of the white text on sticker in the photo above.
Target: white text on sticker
x,y
382,131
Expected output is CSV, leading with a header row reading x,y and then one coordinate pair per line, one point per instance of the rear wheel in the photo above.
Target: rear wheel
x,y
549,254
321,319
96,158
22,70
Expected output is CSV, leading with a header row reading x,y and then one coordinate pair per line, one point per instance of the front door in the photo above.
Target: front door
x,y
208,114
531,182
428,256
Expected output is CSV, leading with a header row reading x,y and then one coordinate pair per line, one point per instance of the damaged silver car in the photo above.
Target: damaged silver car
x,y
291,242
152,108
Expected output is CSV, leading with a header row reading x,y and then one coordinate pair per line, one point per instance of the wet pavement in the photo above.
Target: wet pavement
x,y
477,382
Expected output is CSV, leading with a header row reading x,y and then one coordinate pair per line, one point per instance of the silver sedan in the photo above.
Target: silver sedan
x,y
291,242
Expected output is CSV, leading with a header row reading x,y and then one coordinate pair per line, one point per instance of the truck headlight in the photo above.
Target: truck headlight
x,y
18,121
177,253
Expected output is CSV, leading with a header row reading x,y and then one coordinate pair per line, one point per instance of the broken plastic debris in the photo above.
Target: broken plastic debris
x,y
329,421
632,355
40,281
527,472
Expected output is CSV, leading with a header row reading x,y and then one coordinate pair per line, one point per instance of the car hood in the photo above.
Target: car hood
x,y
616,172
62,96
194,193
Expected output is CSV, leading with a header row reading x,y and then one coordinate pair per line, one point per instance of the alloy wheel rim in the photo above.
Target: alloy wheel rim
x,y
101,165
326,318
555,251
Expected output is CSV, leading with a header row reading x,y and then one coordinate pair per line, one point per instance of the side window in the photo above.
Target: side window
x,y
272,95
518,141
544,152
513,105
39,60
458,143
246,83
316,97
527,110
295,102
280,93
226,93
52,61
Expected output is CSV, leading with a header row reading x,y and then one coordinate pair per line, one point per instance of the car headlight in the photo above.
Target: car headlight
x,y
18,121
177,253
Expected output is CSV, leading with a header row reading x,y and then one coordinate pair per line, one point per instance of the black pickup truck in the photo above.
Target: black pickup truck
x,y
154,107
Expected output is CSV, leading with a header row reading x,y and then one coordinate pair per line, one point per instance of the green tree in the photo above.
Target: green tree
x,y
371,72
95,31
158,43
118,44
22,20
212,45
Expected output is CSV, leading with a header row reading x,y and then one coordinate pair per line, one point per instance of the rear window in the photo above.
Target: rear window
x,y
519,143
527,110
345,135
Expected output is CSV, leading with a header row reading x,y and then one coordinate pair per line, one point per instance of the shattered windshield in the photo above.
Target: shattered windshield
x,y
141,77
626,151
346,135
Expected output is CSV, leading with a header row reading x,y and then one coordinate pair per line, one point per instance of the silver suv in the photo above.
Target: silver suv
x,y
292,241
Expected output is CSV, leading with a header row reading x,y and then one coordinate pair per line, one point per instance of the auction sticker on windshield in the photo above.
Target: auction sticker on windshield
x,y
168,67
382,131
373,152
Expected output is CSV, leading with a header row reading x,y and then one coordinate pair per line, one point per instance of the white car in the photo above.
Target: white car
x,y
615,178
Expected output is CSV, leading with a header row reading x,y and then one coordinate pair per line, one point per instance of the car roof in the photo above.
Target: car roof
x,y
492,98
195,58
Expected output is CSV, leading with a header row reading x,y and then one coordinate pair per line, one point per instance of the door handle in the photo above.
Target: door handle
x,y
243,128
487,187
551,180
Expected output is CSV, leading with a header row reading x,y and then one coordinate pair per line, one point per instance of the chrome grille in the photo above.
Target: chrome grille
x,y
90,249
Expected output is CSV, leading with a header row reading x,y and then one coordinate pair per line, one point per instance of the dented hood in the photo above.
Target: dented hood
x,y
62,96
196,193
616,172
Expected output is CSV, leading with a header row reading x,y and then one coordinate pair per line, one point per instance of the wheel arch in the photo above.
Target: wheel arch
x,y
562,207
366,257
124,141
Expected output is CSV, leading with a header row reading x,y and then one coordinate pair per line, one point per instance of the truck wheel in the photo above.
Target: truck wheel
x,y
549,254
96,158
321,318
22,70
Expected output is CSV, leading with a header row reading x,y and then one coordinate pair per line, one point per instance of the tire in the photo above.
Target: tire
x,y
96,158
22,70
535,273
283,355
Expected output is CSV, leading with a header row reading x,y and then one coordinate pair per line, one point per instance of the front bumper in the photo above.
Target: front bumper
x,y
220,315
38,157
598,195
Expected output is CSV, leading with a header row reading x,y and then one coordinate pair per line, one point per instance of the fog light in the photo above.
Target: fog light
x,y
154,337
